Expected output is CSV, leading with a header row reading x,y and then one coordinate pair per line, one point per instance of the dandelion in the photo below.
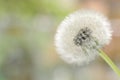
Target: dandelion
x,y
81,35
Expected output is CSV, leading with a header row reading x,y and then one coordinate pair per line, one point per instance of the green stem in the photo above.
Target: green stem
x,y
110,63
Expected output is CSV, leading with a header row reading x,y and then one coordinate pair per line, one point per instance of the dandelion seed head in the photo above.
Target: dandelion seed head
x,y
80,35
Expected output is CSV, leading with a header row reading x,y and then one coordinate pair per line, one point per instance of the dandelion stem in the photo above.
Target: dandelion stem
x,y
110,63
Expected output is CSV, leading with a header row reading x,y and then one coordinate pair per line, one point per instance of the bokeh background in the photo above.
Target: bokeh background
x,y
27,51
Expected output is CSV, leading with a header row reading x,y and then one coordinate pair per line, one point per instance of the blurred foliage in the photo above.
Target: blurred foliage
x,y
29,8
29,25
16,31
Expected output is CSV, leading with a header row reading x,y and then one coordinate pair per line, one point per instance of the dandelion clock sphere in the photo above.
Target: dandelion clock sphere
x,y
80,35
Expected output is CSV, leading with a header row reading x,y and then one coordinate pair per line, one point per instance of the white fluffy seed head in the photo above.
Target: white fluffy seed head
x,y
80,35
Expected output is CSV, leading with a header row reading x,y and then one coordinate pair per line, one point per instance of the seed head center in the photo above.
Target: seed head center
x,y
82,37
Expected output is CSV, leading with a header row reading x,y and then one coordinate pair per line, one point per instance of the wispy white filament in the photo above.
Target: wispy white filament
x,y
80,34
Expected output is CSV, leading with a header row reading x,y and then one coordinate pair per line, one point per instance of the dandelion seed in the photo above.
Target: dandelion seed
x,y
80,35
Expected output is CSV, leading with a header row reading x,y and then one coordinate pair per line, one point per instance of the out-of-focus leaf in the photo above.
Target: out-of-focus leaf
x,y
28,8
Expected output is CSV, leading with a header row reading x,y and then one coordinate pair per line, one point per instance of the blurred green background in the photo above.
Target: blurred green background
x,y
27,51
